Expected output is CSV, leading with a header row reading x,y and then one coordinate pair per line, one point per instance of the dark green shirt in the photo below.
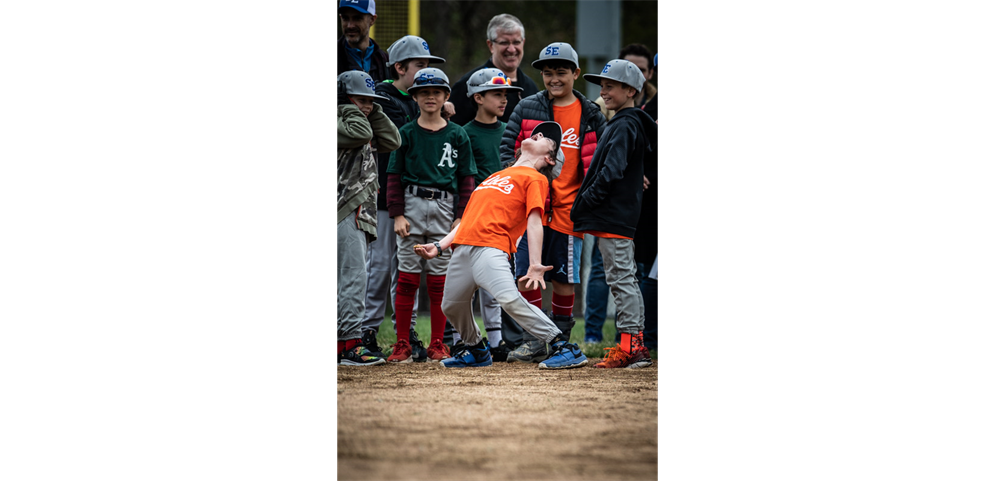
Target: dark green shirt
x,y
432,159
486,142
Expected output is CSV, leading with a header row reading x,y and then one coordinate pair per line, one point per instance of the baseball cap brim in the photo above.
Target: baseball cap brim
x,y
430,58
372,96
360,10
441,86
486,88
596,80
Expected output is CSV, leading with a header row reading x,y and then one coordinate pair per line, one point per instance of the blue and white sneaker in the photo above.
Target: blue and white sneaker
x,y
462,356
565,356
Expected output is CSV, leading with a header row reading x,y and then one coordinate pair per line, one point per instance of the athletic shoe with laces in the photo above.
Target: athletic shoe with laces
x,y
530,351
500,353
418,351
370,343
401,352
463,356
618,358
564,356
359,356
437,351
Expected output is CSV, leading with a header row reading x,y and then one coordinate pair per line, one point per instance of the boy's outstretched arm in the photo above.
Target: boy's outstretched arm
x,y
388,138
429,251
533,279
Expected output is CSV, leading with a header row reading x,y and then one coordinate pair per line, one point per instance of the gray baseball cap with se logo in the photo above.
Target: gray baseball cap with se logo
x,y
557,51
410,46
358,84
620,71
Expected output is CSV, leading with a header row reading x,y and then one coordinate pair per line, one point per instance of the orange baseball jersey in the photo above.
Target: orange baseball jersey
x,y
498,210
565,186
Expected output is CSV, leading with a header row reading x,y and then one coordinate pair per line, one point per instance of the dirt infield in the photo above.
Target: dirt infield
x,y
506,421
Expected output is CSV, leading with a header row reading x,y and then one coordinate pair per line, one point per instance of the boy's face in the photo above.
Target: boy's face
x,y
431,99
559,82
407,75
365,104
493,102
615,94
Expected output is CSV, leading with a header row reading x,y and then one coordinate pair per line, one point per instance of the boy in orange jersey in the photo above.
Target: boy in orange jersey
x,y
497,214
582,124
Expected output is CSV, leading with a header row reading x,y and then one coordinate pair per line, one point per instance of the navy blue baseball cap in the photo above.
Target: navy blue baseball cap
x,y
362,6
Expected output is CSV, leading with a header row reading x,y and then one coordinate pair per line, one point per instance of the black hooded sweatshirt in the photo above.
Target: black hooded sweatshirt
x,y
611,195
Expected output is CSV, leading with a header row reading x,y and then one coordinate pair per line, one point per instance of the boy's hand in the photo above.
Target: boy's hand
x,y
401,226
646,183
533,278
426,251
448,109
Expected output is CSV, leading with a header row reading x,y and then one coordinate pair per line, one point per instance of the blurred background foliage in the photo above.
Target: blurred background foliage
x,y
457,29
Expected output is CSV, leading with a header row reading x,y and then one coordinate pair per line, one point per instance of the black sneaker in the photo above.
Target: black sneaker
x,y
370,343
500,353
359,356
418,351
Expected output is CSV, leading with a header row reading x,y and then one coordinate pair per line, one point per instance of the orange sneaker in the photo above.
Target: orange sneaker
x,y
437,351
401,352
618,358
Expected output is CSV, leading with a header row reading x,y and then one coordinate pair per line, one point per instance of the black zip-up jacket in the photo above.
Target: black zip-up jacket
x,y
610,198
400,109
378,62
466,108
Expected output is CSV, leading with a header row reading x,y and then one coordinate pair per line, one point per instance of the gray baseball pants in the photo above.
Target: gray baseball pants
x,y
487,268
381,263
620,273
351,279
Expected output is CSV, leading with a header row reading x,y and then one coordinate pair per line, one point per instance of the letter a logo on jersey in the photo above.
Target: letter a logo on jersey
x,y
448,152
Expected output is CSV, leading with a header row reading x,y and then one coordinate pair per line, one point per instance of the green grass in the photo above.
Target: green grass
x,y
386,337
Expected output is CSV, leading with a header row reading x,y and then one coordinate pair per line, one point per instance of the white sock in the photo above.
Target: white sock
x,y
494,337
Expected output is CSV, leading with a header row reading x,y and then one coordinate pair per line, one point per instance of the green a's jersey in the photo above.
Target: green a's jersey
x,y
432,159
486,142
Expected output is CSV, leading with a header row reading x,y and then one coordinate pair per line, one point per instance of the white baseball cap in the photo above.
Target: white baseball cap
x,y
557,51
488,79
620,71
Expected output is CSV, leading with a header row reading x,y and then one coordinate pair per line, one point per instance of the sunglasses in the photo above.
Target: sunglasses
x,y
430,81
498,81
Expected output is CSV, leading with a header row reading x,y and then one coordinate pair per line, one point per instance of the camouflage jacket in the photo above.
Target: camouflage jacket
x,y
357,167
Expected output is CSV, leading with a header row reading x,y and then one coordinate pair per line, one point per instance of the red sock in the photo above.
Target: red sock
x,y
563,305
626,342
436,286
533,297
352,343
341,346
404,303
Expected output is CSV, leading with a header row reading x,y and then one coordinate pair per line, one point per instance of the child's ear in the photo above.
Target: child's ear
x,y
632,92
576,74
478,98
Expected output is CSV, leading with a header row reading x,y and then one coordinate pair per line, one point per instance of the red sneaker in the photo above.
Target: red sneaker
x,y
401,352
437,351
